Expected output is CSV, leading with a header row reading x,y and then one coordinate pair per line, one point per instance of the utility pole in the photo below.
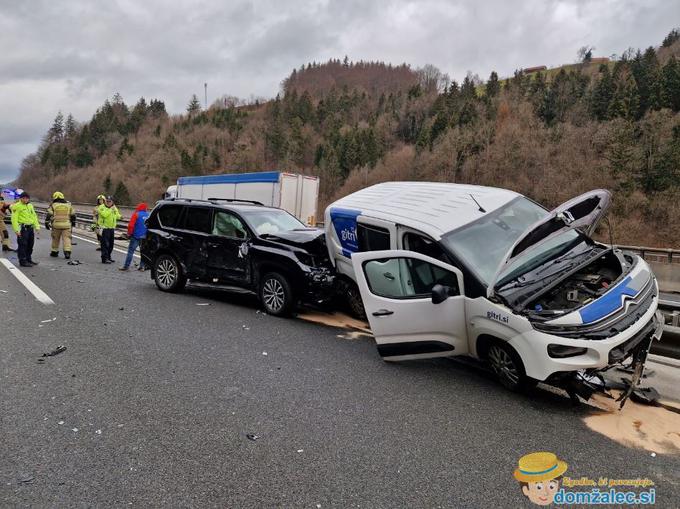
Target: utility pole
x,y
205,85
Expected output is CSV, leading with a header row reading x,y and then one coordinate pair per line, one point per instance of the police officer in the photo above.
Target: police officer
x,y
107,217
4,234
95,220
61,218
25,224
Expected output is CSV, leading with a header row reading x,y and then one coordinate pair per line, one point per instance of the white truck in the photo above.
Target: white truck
x,y
297,194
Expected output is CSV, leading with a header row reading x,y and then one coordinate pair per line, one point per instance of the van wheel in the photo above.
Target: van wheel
x,y
168,274
349,298
276,294
508,366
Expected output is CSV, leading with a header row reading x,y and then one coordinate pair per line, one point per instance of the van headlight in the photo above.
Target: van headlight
x,y
563,351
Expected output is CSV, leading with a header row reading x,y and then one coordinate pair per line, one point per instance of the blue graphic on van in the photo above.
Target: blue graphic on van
x,y
609,302
345,224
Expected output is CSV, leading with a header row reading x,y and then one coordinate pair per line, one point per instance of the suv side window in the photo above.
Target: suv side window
x,y
228,225
423,245
169,216
372,238
198,219
407,278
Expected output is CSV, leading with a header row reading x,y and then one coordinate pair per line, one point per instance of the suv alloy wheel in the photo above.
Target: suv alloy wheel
x,y
276,294
168,274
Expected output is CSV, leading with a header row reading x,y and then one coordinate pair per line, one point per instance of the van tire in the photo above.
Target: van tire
x,y
348,298
508,367
276,294
168,274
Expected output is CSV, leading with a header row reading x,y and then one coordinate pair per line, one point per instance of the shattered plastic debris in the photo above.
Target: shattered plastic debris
x,y
26,479
264,353
75,430
60,423
203,303
74,262
48,321
56,351
3,291
300,450
245,328
98,432
252,436
645,395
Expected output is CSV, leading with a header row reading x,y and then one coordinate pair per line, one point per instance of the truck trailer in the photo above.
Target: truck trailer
x,y
297,194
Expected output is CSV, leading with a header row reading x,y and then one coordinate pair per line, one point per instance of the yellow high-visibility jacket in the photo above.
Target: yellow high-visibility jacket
x,y
23,214
107,217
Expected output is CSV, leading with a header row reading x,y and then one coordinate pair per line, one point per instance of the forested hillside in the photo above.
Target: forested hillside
x,y
549,135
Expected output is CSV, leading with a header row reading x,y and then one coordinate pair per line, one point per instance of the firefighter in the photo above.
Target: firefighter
x,y
4,234
61,218
25,225
95,220
107,218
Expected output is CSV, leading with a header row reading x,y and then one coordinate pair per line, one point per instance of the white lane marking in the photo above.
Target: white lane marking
x,y
30,285
97,243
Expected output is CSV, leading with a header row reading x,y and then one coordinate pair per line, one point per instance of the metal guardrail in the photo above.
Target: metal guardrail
x,y
83,219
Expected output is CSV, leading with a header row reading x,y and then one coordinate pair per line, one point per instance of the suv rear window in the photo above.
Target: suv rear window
x,y
372,238
198,219
169,216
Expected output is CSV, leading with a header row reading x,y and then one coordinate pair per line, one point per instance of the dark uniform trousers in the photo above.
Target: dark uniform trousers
x,y
25,243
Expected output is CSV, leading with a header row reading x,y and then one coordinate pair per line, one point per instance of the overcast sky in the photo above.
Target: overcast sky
x,y
71,55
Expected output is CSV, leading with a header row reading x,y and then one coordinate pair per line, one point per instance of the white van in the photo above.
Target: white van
x,y
450,269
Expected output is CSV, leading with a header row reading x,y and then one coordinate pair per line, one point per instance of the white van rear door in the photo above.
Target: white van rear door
x,y
396,288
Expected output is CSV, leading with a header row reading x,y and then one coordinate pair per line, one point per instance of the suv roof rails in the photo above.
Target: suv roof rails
x,y
213,200
232,200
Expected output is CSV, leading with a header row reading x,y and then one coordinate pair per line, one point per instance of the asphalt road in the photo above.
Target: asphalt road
x,y
152,402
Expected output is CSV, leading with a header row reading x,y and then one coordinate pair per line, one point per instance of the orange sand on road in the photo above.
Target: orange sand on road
x,y
339,320
654,429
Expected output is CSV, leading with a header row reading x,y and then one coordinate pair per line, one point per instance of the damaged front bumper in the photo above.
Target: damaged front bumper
x,y
319,285
585,383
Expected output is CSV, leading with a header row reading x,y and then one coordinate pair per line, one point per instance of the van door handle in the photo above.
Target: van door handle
x,y
388,275
383,312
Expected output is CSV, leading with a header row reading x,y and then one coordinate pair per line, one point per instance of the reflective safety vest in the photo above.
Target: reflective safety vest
x,y
61,213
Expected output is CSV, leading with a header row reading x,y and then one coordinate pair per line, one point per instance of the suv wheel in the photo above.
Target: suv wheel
x,y
275,294
508,367
349,298
168,274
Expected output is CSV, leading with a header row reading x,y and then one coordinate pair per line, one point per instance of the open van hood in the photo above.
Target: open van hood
x,y
583,213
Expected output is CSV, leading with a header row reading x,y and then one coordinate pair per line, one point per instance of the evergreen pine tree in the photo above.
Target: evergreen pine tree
x,y
194,106
492,86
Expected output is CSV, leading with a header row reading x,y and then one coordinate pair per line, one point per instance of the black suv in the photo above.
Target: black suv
x,y
239,245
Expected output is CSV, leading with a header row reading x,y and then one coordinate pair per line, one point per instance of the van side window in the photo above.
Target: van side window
x,y
169,216
198,219
407,278
372,238
423,245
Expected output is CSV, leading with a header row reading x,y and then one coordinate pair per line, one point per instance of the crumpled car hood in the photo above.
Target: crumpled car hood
x,y
312,240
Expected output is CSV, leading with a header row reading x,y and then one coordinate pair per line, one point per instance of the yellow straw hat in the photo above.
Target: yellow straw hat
x,y
539,466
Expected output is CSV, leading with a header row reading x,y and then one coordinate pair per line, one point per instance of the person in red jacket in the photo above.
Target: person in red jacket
x,y
136,232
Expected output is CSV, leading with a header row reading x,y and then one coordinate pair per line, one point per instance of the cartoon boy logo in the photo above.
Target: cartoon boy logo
x,y
539,475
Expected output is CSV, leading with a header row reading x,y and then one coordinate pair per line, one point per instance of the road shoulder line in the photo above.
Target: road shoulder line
x,y
28,284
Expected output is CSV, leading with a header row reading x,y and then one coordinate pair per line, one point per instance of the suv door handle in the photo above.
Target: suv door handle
x,y
383,312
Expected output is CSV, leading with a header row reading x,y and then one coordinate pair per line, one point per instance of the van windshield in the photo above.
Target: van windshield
x,y
271,221
484,243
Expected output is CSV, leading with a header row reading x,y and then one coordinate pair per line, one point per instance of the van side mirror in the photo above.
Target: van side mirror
x,y
440,293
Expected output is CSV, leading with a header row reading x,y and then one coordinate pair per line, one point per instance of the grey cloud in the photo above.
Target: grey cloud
x,y
72,55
